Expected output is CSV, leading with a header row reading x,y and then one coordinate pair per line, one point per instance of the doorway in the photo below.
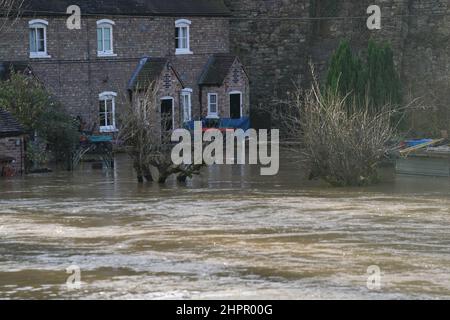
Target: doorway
x,y
235,105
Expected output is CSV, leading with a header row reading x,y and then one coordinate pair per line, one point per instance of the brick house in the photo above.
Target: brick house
x,y
11,145
90,70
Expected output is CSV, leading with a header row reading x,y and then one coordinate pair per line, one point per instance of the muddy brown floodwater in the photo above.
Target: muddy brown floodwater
x,y
230,234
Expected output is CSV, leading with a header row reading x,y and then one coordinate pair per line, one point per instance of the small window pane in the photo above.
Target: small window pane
x,y
33,40
109,119
177,38
41,45
101,106
102,113
103,119
107,35
99,39
184,43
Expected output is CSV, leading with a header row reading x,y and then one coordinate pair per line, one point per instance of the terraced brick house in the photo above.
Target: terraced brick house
x,y
182,44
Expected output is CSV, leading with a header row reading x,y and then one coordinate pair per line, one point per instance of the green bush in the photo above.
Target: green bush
x,y
43,117
372,77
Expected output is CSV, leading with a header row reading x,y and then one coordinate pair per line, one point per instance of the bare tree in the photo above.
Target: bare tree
x,y
148,141
342,142
10,11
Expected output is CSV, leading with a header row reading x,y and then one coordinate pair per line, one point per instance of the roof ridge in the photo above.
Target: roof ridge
x,y
131,7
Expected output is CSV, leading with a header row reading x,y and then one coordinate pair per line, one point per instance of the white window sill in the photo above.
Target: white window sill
x,y
212,116
106,55
108,130
183,51
39,56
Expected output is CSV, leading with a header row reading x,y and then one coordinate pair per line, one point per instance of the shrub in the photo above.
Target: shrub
x,y
342,147
43,117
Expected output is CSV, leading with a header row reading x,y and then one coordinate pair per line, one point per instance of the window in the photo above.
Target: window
x,y
105,38
182,44
186,104
213,110
107,109
38,39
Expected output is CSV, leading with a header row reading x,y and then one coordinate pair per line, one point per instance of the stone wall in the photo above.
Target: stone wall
x,y
275,40
426,62
271,43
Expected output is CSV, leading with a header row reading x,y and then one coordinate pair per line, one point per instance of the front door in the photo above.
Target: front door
x,y
235,106
166,117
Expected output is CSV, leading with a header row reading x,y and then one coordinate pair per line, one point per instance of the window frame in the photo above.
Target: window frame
x,y
33,26
173,108
187,92
213,115
103,25
183,23
105,96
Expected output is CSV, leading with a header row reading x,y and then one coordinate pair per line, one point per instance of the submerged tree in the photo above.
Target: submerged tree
x,y
147,141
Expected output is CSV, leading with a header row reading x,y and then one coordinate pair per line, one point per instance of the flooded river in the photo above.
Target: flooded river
x,y
230,234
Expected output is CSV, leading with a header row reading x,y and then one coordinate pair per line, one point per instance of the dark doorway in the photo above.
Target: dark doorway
x,y
235,105
166,117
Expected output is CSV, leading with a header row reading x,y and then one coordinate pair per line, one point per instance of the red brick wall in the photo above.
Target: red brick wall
x,y
229,85
77,76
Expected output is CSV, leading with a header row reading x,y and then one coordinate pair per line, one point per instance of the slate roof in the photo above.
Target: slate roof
x,y
131,7
148,70
9,127
217,69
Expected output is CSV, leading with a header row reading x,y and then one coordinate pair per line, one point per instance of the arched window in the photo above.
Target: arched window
x,y
182,34
105,43
38,38
107,111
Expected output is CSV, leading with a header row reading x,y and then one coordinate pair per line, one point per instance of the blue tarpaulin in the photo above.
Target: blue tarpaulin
x,y
99,139
242,123
413,143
